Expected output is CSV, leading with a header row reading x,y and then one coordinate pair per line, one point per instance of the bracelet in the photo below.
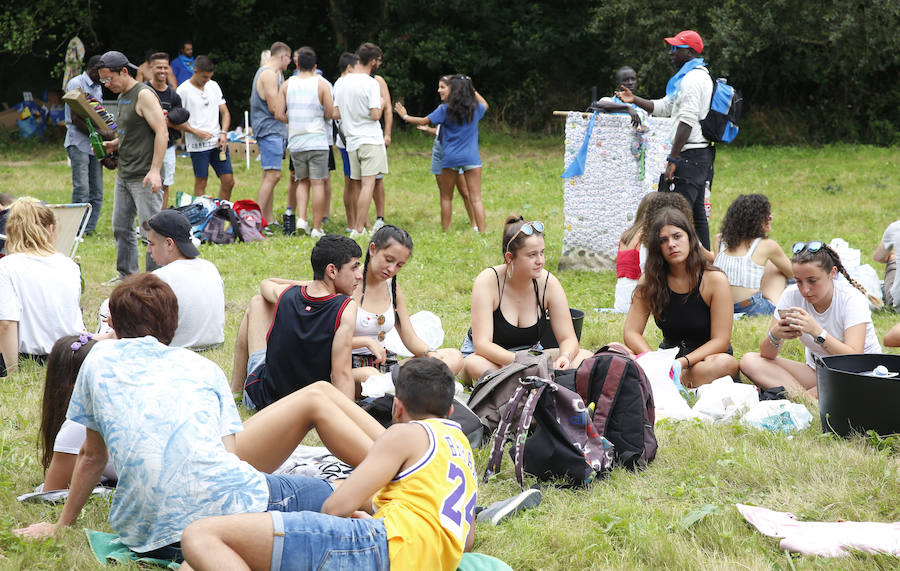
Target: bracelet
x,y
671,159
405,117
774,340
688,361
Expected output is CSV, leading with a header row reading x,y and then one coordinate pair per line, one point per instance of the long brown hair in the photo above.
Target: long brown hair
x,y
654,286
63,365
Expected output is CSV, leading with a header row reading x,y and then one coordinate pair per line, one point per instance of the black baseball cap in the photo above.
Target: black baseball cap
x,y
175,225
115,60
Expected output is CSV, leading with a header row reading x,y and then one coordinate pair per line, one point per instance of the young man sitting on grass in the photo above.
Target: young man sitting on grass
x,y
168,419
295,333
421,473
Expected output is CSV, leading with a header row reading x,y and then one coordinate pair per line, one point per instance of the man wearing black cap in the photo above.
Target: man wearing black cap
x,y
141,140
87,172
688,95
196,282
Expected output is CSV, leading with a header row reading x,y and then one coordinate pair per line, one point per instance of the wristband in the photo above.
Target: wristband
x,y
774,340
405,117
687,360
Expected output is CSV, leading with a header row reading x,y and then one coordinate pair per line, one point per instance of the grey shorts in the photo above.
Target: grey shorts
x,y
310,164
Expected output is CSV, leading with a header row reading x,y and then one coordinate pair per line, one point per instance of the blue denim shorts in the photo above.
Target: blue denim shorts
x,y
295,493
202,160
309,540
271,152
756,304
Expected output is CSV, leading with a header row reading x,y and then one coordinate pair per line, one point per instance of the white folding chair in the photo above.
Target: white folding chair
x,y
71,220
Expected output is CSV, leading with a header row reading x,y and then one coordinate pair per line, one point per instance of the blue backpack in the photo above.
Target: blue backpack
x,y
720,124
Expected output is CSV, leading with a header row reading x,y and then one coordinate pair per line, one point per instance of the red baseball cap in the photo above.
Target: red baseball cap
x,y
687,38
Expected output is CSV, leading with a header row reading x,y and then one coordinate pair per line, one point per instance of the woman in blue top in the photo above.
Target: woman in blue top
x,y
458,118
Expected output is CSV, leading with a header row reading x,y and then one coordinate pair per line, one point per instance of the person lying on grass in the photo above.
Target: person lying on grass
x,y
382,306
295,333
421,473
690,300
829,318
168,419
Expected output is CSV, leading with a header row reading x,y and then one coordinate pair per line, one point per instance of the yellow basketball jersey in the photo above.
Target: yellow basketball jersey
x,y
429,508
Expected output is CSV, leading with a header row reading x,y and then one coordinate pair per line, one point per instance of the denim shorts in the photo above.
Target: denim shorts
x,y
309,540
271,152
202,160
257,359
756,304
295,493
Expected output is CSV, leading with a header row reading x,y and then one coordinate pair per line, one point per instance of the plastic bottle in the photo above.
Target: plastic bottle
x,y
289,222
96,141
706,204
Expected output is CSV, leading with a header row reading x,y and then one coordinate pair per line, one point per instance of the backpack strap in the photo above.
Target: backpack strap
x,y
608,393
536,388
583,378
496,458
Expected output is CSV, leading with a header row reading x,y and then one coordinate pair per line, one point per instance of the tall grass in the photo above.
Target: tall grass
x,y
678,513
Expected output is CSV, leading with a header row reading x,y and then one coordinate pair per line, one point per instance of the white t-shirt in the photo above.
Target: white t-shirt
x,y
354,95
201,302
69,439
848,308
891,241
42,293
203,105
162,412
691,104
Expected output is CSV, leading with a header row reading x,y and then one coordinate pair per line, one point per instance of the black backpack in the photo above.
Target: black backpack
x,y
624,412
380,408
491,394
720,124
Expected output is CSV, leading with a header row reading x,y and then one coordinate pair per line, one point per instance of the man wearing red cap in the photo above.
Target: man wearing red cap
x,y
688,95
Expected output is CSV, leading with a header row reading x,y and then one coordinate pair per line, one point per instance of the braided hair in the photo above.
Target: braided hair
x,y
382,239
826,258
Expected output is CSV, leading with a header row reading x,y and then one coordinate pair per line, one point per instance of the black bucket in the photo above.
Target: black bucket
x,y
548,340
851,401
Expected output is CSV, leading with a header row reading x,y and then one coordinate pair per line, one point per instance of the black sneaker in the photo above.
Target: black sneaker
x,y
498,512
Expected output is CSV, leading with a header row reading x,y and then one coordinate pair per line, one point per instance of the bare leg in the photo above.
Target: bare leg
x,y
463,188
266,188
328,196
473,179
474,367
366,188
319,206
302,198
709,369
351,195
200,186
272,434
226,184
292,192
379,197
251,338
445,181
165,200
796,377
241,541
452,358
773,283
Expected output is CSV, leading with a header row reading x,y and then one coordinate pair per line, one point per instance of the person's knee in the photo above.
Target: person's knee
x,y
749,362
198,536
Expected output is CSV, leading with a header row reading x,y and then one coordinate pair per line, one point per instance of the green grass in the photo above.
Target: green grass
x,y
631,520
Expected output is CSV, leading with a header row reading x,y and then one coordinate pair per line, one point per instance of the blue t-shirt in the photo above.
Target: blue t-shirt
x,y
460,142
162,412
183,68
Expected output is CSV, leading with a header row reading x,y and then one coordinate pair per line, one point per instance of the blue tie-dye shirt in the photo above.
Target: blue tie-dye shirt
x,y
162,412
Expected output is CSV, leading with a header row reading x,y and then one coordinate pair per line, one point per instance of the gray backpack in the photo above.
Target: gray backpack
x,y
493,392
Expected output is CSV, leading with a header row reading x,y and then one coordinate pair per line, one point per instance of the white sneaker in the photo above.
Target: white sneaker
x,y
354,234
302,226
379,222
316,234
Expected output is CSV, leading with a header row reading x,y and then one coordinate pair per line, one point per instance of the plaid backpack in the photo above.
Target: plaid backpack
x,y
222,226
564,443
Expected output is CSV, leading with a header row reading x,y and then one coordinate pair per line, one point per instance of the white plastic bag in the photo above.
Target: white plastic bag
x,y
667,401
427,327
723,398
778,416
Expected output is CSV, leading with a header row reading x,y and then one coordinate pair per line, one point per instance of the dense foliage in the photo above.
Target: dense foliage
x,y
810,72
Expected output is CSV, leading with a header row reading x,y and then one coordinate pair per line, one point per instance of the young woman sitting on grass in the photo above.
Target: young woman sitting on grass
x,y
632,252
829,318
40,289
61,438
689,299
382,306
514,303
755,265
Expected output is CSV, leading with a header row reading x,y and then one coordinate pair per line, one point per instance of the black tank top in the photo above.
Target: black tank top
x,y
685,322
509,336
298,346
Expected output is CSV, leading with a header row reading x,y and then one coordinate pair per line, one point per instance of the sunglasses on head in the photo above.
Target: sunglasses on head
x,y
528,229
673,48
811,247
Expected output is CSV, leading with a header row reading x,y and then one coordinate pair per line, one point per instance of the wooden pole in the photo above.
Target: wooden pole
x,y
566,114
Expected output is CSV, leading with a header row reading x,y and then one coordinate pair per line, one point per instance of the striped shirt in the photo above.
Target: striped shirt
x,y
306,115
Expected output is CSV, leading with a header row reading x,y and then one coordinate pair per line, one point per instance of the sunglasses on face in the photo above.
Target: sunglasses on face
x,y
811,247
673,48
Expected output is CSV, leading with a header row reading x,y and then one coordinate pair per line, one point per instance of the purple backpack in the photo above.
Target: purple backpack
x,y
564,444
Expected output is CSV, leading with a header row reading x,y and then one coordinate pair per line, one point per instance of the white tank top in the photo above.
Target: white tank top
x,y
367,326
741,271
306,115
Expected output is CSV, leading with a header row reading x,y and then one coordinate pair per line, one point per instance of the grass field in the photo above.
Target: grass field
x,y
677,514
